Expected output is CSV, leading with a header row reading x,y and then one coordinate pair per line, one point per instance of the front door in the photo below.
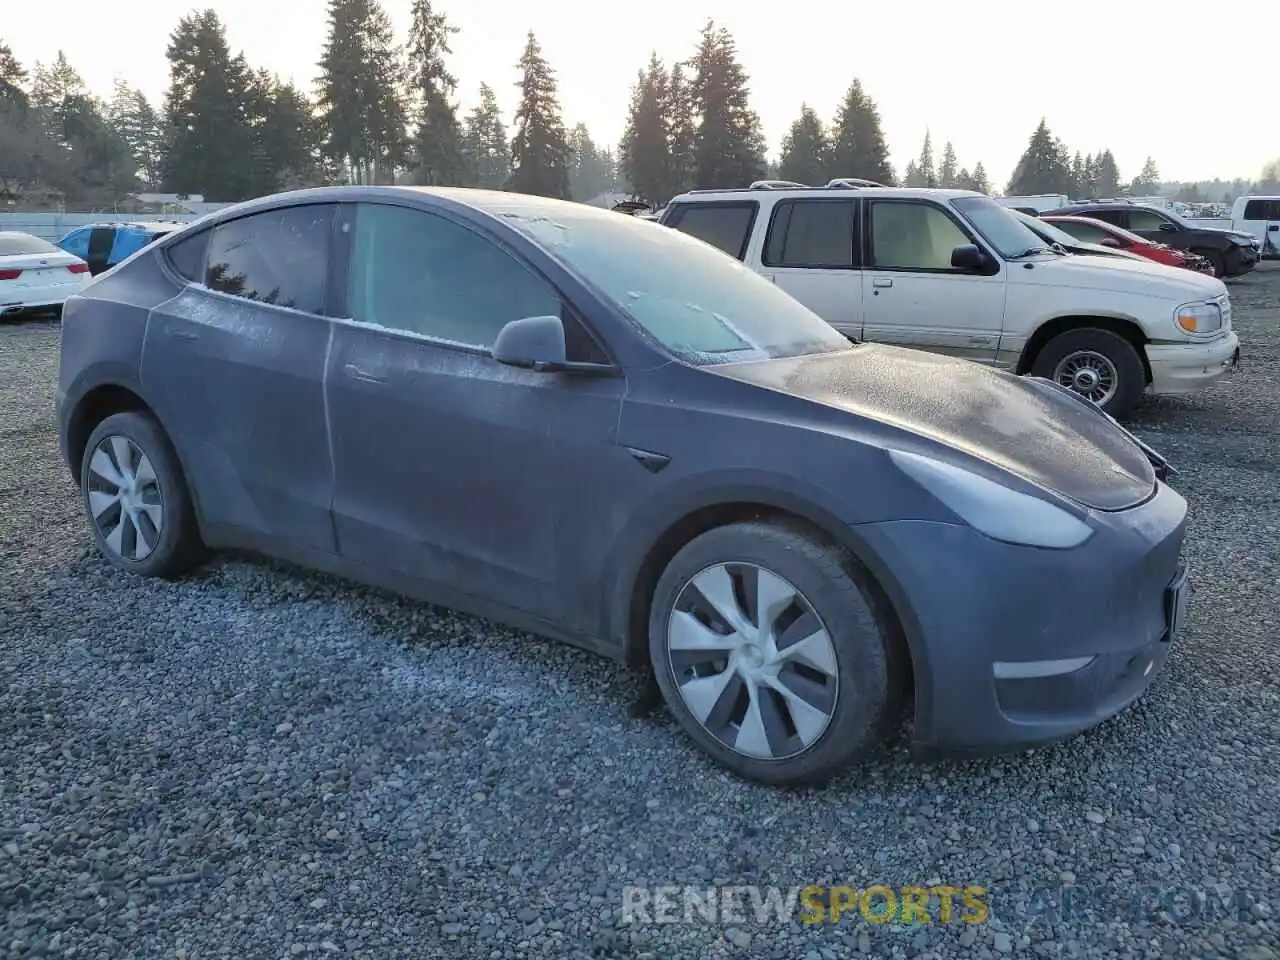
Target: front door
x,y
450,467
810,251
236,367
911,294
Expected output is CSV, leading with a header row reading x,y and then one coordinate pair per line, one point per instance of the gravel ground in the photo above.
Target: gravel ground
x,y
258,762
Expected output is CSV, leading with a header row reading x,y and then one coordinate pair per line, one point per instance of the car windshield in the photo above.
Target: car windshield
x,y
23,244
999,227
700,304
1046,231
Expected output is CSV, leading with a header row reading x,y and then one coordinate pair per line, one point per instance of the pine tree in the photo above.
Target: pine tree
x,y
139,126
911,175
1148,181
1079,182
287,137
210,143
54,91
947,172
540,149
484,139
728,144
858,146
924,166
1042,168
591,170
439,156
645,154
360,100
980,181
806,152
1106,176
682,132
13,80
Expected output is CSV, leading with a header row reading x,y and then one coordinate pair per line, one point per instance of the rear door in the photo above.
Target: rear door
x,y
235,370
911,294
811,252
1262,219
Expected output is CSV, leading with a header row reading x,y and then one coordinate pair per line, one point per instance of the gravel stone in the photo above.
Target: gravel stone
x,y
188,769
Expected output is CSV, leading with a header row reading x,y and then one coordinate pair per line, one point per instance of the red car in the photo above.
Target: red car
x,y
1088,230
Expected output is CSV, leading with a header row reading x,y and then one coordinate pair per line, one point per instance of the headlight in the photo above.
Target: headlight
x,y
992,509
1198,318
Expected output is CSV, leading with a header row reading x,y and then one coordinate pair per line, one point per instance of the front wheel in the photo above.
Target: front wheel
x,y
773,652
1097,364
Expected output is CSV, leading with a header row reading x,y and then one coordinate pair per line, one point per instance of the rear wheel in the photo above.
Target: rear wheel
x,y
136,498
1097,364
773,654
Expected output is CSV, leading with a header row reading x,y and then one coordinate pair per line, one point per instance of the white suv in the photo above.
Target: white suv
x,y
952,272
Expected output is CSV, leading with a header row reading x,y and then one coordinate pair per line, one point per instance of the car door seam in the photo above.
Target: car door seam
x,y
328,435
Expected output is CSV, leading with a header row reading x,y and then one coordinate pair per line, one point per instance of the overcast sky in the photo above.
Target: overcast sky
x,y
1139,76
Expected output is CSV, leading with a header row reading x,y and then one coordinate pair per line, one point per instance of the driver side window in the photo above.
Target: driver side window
x,y
423,274
1145,220
913,236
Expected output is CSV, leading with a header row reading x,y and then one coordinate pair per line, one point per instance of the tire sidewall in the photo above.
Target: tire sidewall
x,y
1122,354
864,672
143,431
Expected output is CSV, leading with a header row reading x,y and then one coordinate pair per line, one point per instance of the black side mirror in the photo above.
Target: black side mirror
x,y
1167,227
538,343
1110,242
968,257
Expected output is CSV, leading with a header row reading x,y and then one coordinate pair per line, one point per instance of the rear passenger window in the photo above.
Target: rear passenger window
x,y
812,233
1262,210
723,225
280,257
187,256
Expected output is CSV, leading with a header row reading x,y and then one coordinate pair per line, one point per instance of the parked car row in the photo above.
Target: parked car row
x,y
36,275
606,431
953,272
1088,232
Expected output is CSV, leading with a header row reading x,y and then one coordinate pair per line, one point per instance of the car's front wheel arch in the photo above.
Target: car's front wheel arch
x,y
634,589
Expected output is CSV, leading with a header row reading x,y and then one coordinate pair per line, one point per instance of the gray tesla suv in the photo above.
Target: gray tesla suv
x,y
596,429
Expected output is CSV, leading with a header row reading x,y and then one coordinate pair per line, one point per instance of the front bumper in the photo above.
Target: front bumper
x,y
1241,259
1186,367
992,625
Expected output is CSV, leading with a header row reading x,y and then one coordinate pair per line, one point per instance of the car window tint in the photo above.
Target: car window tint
x,y
1262,210
280,257
811,233
1115,217
912,236
1145,220
725,226
187,256
424,274
1084,232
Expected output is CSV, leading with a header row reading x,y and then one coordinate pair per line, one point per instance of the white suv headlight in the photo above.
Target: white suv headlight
x,y
1198,319
993,509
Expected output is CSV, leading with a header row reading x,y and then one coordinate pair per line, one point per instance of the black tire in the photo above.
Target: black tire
x,y
1216,260
1131,376
179,547
869,655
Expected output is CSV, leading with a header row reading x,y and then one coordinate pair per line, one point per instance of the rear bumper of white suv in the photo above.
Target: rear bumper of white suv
x,y
1183,368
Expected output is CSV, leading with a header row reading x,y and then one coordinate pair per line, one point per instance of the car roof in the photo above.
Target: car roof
x,y
497,203
791,193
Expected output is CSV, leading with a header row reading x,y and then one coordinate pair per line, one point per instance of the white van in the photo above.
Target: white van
x,y
953,272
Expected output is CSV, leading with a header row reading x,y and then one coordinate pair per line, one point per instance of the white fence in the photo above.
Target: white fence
x,y
54,226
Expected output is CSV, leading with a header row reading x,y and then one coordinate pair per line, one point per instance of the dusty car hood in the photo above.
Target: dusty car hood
x,y
1142,276
1055,442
